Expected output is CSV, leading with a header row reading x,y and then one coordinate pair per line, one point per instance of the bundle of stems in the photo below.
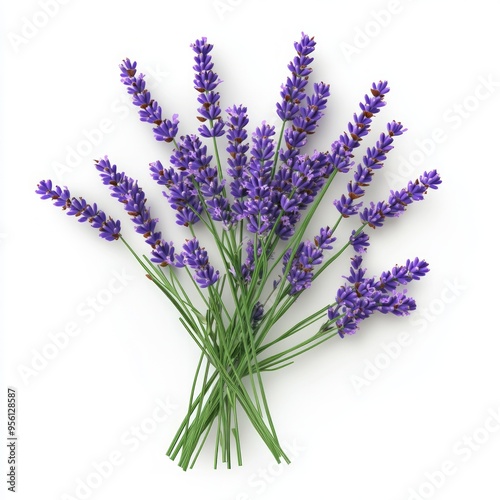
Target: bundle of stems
x,y
233,348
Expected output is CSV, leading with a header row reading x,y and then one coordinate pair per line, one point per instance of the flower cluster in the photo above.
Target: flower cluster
x,y
205,82
237,148
109,229
360,297
308,255
399,200
149,110
197,258
181,195
360,127
128,192
257,206
373,160
293,91
193,158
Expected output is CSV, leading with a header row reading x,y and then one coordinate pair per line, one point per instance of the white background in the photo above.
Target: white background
x,y
357,423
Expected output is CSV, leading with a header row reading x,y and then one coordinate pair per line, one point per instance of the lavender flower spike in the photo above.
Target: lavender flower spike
x,y
308,255
192,156
259,210
305,123
358,128
128,192
293,92
109,229
237,148
181,193
360,297
205,82
373,160
197,258
150,111
399,200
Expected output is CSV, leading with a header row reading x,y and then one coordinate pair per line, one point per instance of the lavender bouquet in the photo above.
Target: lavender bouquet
x,y
256,205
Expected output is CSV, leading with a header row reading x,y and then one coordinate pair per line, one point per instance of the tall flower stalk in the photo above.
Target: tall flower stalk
x,y
256,206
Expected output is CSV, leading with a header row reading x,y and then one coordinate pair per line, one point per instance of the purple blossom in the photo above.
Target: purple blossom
x,y
293,92
301,177
399,200
181,194
258,208
305,122
341,152
237,148
248,266
363,176
325,239
128,192
360,297
205,82
109,229
192,158
308,255
257,314
296,185
430,179
150,111
401,275
163,254
359,241
197,258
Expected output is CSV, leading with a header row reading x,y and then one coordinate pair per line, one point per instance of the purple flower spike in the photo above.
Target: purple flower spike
x,y
308,255
359,242
192,160
181,194
197,258
360,297
128,192
109,229
257,314
205,82
373,160
417,268
401,275
150,111
296,185
399,200
164,254
325,238
259,210
305,122
248,266
360,126
293,92
237,148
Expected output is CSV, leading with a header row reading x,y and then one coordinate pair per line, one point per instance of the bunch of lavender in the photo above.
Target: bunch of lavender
x,y
256,206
